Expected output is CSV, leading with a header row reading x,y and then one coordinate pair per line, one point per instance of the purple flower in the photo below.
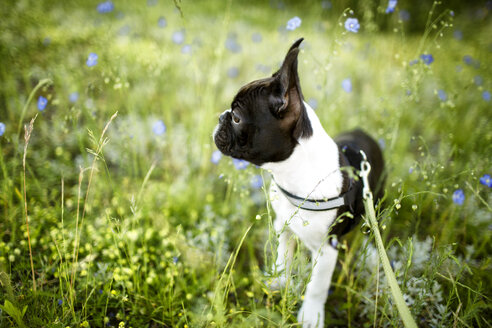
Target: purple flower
x,y
352,25
486,95
293,23
216,156
459,197
162,22
159,128
347,85
404,15
74,96
468,59
233,72
458,35
427,59
178,37
105,7
256,182
240,164
391,6
60,302
42,102
486,180
92,59
2,128
442,95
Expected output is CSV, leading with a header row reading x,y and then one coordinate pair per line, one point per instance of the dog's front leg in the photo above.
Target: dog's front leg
x,y
285,253
312,312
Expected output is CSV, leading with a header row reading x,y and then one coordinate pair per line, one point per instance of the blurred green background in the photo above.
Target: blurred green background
x,y
144,226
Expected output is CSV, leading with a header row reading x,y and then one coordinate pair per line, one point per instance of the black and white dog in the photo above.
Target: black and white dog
x,y
270,125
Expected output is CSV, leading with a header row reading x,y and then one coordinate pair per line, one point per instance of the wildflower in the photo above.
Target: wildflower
x,y
459,197
2,128
159,128
486,95
468,59
293,23
427,59
451,13
478,80
232,45
410,170
162,22
175,259
391,6
486,180
233,72
240,164
60,302
42,102
74,96
256,182
91,59
326,5
347,85
352,25
413,62
256,37
404,15
442,95
458,35
216,156
105,7
178,37
186,49
382,143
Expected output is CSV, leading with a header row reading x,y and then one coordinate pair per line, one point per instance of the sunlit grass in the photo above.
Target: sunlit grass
x,y
164,236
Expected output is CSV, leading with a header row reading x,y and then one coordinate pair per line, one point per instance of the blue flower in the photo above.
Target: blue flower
x,y
2,128
256,182
486,95
413,62
175,259
352,25
42,102
486,180
92,59
105,7
458,35
256,37
478,80
233,72
427,59
159,128
100,291
240,164
391,6
216,156
347,85
404,15
293,23
178,37
382,143
162,22
459,197
74,96
326,5
186,49
442,95
451,13
468,59
60,302
232,45
313,103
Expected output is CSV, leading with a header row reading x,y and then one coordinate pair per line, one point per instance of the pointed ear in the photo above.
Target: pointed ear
x,y
287,78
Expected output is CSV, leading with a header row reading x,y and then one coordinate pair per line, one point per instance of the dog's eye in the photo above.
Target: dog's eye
x,y
235,119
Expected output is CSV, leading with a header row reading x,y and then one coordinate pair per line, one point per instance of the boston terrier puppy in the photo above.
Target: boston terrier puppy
x,y
313,194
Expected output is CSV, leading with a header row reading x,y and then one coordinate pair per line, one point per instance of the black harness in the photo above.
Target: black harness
x,y
347,201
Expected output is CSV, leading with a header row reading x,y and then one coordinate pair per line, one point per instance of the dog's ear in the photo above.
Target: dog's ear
x,y
286,98
286,81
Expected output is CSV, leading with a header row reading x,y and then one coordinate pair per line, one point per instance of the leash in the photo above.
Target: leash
x,y
402,307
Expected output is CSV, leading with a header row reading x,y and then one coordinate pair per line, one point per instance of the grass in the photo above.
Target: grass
x,y
131,228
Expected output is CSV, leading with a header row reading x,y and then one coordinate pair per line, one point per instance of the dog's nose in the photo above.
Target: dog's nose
x,y
223,116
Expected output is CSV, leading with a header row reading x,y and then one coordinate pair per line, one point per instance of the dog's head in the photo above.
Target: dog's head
x,y
267,117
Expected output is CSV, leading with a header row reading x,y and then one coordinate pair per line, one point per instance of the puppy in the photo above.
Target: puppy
x,y
270,125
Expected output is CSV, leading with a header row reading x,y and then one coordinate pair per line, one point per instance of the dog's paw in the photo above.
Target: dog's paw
x,y
311,314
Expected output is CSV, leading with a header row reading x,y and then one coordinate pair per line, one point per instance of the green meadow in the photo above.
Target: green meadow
x,y
116,210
